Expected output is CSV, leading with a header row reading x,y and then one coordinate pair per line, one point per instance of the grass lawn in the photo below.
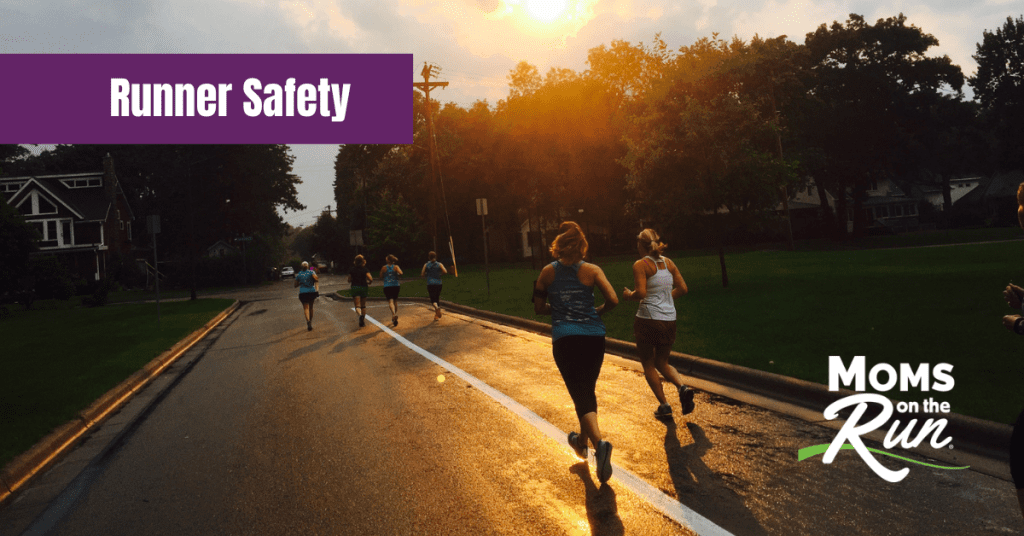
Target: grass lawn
x,y
787,312
57,361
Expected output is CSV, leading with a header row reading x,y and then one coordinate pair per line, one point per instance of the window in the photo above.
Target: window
x,y
881,212
82,183
9,187
874,185
897,210
35,204
67,236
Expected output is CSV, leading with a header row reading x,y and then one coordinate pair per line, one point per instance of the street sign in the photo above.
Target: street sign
x,y
355,238
153,224
243,239
481,207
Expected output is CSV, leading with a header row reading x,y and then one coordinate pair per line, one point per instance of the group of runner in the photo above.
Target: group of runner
x,y
565,290
359,277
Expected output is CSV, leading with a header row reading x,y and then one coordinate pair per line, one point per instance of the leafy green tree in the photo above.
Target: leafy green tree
x,y
702,146
17,241
872,86
999,87
393,229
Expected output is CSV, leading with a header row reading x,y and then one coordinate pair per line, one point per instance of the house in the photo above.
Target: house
x,y
83,218
886,206
221,249
958,188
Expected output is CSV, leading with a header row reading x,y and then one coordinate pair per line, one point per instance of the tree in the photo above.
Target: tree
x,y
999,87
872,86
701,146
17,241
393,229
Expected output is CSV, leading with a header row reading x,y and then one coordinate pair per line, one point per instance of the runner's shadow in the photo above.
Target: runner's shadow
x,y
602,510
308,349
702,489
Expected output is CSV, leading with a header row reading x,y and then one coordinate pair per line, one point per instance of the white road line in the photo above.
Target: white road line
x,y
672,508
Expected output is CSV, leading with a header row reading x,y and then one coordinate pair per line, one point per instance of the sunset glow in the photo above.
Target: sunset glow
x,y
545,10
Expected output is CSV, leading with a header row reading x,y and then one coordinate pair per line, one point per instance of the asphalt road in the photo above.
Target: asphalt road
x,y
457,427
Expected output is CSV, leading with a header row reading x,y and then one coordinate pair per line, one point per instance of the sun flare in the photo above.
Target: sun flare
x,y
546,10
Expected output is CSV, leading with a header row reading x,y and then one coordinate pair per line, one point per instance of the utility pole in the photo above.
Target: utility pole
x,y
425,86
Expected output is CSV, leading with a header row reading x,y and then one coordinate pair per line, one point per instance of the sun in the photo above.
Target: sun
x,y
546,10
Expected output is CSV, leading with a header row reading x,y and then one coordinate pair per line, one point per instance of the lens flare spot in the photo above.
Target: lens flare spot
x,y
440,378
546,10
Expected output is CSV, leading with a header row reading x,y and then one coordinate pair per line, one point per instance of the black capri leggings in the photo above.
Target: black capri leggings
x,y
1017,452
435,293
579,359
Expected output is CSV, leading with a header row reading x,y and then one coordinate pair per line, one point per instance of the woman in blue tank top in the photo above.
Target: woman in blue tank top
x,y
433,271
390,273
565,290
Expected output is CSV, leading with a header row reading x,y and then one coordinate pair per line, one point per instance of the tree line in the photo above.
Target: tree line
x,y
704,141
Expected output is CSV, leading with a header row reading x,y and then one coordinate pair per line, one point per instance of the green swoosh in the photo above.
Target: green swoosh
x,y
814,450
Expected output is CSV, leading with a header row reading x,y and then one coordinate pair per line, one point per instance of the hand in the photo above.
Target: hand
x,y
1009,321
1013,295
626,293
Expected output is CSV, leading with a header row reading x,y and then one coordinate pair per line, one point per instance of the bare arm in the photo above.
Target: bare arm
x,y
639,281
602,284
540,303
443,271
369,278
679,287
423,272
399,270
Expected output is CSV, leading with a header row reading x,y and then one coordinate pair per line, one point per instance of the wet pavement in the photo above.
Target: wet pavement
x,y
347,430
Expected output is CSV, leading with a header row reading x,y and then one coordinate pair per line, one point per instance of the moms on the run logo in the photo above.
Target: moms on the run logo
x,y
884,377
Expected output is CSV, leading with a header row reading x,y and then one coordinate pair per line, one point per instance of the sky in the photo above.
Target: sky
x,y
476,43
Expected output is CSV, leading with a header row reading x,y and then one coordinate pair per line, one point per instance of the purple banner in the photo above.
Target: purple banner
x,y
207,98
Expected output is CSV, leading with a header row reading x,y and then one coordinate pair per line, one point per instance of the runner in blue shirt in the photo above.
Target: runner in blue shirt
x,y
565,290
307,281
390,273
433,270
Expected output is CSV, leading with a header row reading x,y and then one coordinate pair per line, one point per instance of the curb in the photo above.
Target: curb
x,y
974,435
49,450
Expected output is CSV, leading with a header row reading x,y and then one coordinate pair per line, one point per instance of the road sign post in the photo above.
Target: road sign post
x,y
481,210
153,223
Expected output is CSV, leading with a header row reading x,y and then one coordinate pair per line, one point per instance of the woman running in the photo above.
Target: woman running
x,y
360,279
565,290
658,283
390,273
306,280
433,270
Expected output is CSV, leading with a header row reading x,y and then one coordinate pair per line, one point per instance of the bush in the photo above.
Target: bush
x,y
51,279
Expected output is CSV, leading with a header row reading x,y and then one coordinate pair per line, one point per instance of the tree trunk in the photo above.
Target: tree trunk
x,y
721,261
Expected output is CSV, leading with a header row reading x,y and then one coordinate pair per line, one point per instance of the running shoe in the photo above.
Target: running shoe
x,y
437,314
686,399
362,321
574,440
604,461
664,411
394,321
309,326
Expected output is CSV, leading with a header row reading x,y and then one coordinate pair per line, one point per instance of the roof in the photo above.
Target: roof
x,y
88,203
998,186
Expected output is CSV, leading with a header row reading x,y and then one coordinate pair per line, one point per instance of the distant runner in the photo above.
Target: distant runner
x,y
307,280
360,279
390,273
433,270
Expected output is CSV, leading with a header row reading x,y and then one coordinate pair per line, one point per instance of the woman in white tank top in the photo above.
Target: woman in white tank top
x,y
658,283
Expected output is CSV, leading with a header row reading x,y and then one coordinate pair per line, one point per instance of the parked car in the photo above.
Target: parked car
x,y
287,271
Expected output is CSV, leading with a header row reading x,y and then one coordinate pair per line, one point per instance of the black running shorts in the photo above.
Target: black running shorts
x,y
1017,452
579,359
